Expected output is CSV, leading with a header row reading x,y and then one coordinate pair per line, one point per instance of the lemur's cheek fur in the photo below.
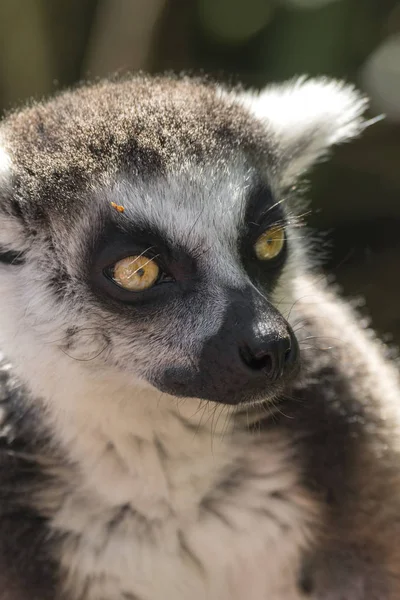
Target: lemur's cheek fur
x,y
168,427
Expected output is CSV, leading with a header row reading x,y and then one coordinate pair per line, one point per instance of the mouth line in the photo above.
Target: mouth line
x,y
240,396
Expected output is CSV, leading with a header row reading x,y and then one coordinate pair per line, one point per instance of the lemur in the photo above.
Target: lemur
x,y
189,411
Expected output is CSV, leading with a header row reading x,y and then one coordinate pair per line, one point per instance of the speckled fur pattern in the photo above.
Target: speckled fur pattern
x,y
110,487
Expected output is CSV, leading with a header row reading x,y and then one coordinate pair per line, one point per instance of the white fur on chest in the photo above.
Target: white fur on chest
x,y
169,511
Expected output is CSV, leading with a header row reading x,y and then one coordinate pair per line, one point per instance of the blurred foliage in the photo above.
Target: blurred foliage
x,y
46,45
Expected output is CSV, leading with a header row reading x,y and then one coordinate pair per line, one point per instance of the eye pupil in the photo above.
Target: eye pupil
x,y
270,243
136,273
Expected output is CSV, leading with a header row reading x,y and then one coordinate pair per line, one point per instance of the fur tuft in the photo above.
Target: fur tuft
x,y
307,117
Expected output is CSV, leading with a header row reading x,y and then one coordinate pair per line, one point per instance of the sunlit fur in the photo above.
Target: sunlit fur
x,y
139,495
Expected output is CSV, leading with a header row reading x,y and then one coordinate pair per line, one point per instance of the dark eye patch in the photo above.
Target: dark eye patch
x,y
176,266
262,212
10,257
259,200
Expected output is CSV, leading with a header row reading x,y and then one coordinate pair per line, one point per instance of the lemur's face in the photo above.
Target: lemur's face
x,y
145,229
182,282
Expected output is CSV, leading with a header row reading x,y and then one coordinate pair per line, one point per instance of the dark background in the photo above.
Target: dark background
x,y
46,45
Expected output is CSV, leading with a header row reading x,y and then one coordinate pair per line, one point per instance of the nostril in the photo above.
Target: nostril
x,y
263,362
273,357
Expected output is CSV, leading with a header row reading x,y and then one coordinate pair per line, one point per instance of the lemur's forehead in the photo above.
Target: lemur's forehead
x,y
190,205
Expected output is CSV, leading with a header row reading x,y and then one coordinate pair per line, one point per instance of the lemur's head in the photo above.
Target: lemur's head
x,y
145,229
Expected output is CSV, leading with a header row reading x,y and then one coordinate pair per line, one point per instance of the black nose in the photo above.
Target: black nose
x,y
272,355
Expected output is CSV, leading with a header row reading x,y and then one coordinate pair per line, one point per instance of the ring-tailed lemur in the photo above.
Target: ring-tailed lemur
x,y
187,411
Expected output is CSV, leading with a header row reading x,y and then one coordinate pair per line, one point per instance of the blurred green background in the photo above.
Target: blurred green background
x,y
46,45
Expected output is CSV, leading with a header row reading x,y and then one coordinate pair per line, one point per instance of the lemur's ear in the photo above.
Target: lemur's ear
x,y
306,117
5,165
11,227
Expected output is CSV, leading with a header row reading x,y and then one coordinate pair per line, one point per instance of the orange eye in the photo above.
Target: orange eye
x,y
136,273
270,243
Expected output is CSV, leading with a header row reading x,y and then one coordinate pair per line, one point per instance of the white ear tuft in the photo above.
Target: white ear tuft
x,y
5,165
306,117
11,229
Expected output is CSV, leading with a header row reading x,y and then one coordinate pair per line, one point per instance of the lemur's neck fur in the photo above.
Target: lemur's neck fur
x,y
123,450
120,433
146,464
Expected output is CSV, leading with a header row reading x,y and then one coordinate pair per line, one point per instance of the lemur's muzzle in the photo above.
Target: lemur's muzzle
x,y
253,355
